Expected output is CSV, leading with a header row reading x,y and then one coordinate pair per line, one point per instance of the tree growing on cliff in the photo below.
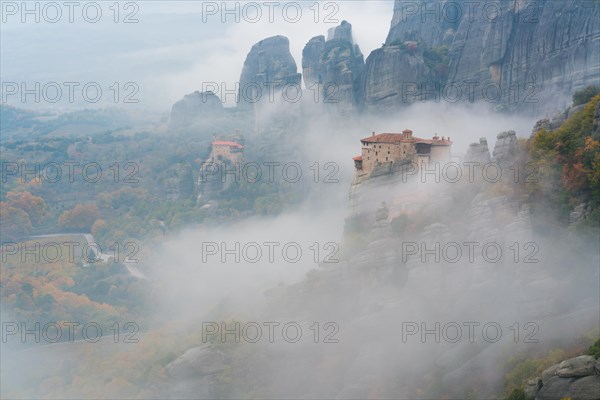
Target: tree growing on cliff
x,y
584,95
569,161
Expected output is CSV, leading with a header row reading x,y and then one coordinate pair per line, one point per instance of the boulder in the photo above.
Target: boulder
x,y
578,366
549,373
586,388
532,387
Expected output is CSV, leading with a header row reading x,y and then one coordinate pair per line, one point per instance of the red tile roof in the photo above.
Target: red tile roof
x,y
400,138
357,158
225,143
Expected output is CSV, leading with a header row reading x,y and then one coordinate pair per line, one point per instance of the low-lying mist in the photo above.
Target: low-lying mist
x,y
399,323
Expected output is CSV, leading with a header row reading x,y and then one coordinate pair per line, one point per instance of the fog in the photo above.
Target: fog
x,y
375,294
380,297
392,322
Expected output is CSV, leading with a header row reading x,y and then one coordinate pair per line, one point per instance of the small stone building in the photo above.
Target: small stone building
x,y
387,148
226,150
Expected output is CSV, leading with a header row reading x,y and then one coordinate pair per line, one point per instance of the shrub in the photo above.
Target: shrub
x,y
594,349
517,394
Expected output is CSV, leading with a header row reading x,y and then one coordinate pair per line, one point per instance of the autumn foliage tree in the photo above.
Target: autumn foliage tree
x,y
81,217
14,223
34,206
569,159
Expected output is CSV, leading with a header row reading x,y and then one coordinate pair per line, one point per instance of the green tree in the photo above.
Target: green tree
x,y
584,95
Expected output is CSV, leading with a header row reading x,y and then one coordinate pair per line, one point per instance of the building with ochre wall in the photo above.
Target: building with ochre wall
x,y
385,149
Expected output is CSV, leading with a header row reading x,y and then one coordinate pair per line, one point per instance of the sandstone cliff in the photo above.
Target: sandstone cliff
x,y
311,55
335,65
529,55
269,66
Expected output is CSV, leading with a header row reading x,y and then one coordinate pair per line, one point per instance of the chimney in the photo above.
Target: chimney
x,y
373,134
407,133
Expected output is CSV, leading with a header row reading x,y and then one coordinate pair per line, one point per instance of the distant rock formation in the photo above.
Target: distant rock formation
x,y
525,55
506,148
336,65
311,55
479,152
341,32
196,109
269,66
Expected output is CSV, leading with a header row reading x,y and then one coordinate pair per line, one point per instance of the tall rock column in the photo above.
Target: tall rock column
x,y
335,65
311,55
269,68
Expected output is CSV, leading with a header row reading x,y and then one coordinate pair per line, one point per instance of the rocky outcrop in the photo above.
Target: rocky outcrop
x,y
339,66
506,148
580,212
194,110
479,152
577,367
268,68
341,32
575,378
311,55
194,374
534,53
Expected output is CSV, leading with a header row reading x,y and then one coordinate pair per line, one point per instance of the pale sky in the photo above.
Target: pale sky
x,y
172,49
